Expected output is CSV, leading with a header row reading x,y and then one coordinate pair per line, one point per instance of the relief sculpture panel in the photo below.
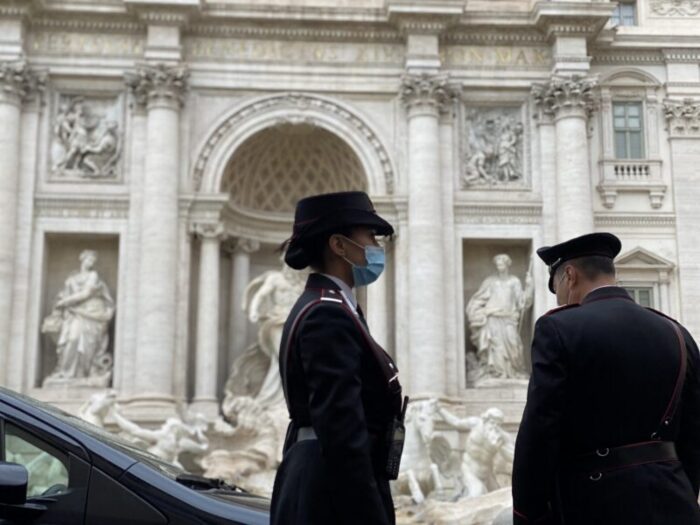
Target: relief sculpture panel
x,y
492,148
86,138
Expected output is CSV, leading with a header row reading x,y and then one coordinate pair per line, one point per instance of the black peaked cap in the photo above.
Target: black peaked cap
x,y
324,213
602,244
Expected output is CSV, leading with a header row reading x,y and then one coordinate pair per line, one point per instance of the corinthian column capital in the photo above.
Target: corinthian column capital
x,y
427,91
683,117
209,230
567,96
19,83
158,84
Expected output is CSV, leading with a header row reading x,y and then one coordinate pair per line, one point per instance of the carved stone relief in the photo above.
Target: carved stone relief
x,y
683,117
492,148
86,138
675,7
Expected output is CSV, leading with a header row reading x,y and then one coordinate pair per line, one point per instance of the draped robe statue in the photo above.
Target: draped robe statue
x,y
494,314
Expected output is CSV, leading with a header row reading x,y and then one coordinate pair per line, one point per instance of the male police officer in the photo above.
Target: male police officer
x,y
611,430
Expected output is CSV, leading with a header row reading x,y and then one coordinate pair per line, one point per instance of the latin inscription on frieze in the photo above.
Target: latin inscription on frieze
x,y
85,44
293,52
497,56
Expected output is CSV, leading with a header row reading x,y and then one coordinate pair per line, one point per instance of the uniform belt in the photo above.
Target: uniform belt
x,y
306,433
605,460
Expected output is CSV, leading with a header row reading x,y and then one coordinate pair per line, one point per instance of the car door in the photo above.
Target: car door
x,y
58,477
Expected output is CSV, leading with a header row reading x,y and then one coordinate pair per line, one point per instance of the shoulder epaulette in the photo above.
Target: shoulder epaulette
x,y
562,307
661,314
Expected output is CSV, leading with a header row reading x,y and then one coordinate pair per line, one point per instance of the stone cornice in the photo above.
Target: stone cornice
x,y
426,90
566,93
15,9
111,24
346,33
572,18
427,17
158,83
90,206
165,12
19,83
683,117
471,213
627,56
642,220
492,35
681,56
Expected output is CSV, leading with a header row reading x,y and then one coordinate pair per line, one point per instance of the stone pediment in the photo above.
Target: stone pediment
x,y
641,259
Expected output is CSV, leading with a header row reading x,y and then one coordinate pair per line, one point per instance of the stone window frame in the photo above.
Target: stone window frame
x,y
641,268
631,175
628,155
618,10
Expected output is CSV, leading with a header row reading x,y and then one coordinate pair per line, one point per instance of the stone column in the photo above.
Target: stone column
x,y
240,277
161,89
423,95
571,101
17,83
683,120
207,345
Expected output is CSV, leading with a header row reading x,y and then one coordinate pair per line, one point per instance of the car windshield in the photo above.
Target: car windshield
x,y
113,440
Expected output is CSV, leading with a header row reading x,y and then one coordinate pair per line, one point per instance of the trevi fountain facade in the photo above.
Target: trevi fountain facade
x,y
151,153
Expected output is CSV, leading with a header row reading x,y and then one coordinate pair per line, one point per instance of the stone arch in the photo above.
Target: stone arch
x,y
630,76
251,117
270,171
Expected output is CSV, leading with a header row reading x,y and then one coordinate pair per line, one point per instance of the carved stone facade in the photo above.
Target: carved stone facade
x,y
163,139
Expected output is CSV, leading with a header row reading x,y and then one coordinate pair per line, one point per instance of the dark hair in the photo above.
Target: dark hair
x,y
593,266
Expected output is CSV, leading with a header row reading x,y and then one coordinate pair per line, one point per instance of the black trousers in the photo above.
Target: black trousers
x,y
302,495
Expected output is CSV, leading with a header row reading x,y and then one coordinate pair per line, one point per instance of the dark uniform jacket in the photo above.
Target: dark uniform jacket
x,y
603,375
334,384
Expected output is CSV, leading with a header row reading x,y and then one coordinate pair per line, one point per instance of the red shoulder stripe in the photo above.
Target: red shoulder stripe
x,y
562,307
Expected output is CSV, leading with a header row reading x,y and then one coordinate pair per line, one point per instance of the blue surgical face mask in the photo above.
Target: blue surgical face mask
x,y
376,260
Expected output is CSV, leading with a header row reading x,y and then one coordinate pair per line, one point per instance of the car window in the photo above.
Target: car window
x,y
47,466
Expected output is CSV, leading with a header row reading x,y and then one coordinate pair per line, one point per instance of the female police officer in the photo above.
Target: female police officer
x,y
342,390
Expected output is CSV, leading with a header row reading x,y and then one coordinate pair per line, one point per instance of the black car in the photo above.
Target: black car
x,y
57,469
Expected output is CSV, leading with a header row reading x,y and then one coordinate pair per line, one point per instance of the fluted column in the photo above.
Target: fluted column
x,y
17,83
241,250
423,95
161,89
207,345
683,130
570,100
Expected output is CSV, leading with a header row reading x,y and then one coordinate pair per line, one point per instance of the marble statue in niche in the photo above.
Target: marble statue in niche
x,y
493,148
253,407
79,327
86,140
495,315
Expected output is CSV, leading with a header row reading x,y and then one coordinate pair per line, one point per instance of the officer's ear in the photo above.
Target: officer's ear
x,y
337,245
572,275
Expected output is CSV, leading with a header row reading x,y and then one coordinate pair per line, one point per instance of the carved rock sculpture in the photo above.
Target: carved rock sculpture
x,y
86,145
495,314
254,408
172,439
78,325
493,150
